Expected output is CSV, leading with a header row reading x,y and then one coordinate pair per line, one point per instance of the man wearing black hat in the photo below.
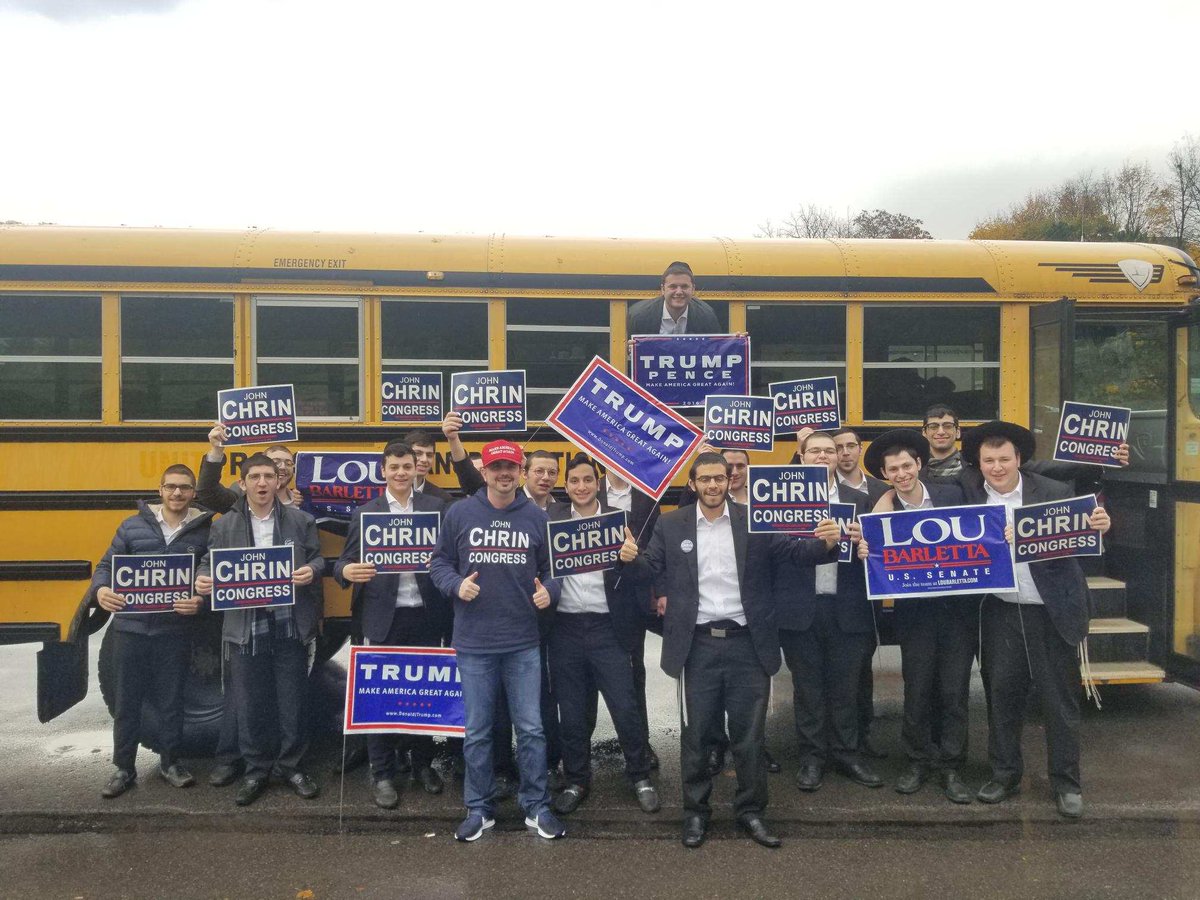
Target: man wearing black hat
x,y
1030,635
937,634
676,310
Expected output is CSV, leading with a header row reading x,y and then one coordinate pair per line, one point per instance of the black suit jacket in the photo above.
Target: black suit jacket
x,y
373,604
667,563
619,592
645,317
1060,582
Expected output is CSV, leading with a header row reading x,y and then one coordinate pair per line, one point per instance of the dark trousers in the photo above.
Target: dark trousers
x,y
826,663
411,627
723,678
228,751
154,669
1022,649
866,692
937,646
637,659
271,686
586,657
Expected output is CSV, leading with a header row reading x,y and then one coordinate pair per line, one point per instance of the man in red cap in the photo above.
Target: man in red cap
x,y
493,559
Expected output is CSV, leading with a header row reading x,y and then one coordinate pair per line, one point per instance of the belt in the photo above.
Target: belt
x,y
727,630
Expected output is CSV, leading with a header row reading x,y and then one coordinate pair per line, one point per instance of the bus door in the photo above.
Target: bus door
x,y
1183,661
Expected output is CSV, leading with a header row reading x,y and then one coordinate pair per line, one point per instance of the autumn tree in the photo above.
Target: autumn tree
x,y
813,221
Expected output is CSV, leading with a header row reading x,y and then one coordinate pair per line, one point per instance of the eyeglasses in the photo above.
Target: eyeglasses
x,y
848,446
284,464
935,427
180,488
711,479
820,451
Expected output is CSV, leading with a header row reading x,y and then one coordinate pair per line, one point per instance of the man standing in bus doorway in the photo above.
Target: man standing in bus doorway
x,y
400,610
268,649
938,635
493,559
676,310
720,638
1031,636
151,650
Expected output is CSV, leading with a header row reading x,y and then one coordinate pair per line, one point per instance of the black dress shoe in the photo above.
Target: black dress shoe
x,y
859,773
647,796
754,827
385,794
121,781
867,748
954,789
809,777
913,779
303,785
250,790
1069,803
695,829
176,775
430,780
652,759
555,780
716,762
998,791
773,767
226,773
568,801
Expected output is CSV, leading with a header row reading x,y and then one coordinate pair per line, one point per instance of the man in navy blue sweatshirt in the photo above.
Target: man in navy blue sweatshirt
x,y
492,557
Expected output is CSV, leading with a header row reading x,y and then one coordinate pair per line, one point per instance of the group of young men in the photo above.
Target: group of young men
x,y
534,653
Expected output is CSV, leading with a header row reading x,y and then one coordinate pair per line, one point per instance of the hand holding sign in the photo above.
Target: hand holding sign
x,y
829,531
217,436
1099,520
302,575
359,573
541,596
468,588
188,607
109,600
204,585
629,549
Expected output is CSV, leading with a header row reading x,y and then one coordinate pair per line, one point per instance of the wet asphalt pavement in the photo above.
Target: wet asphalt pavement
x,y
1140,836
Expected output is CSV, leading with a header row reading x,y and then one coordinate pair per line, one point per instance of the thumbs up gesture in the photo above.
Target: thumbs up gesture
x,y
629,549
468,588
541,596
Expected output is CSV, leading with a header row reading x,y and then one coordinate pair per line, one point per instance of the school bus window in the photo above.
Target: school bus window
x,y
553,340
50,364
914,357
313,344
176,353
1194,368
796,340
434,336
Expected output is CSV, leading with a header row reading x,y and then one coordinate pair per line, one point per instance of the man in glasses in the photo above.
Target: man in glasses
x,y
942,431
152,650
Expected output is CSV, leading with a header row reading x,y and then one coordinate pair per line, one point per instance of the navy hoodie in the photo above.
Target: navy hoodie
x,y
508,548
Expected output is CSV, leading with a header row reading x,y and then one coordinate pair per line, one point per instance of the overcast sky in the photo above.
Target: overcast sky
x,y
647,118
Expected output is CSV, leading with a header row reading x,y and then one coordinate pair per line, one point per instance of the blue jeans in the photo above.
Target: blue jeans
x,y
521,674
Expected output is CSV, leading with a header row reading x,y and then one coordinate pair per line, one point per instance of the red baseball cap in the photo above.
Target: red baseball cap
x,y
502,451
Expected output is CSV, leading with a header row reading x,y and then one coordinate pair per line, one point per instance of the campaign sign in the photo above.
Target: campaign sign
x,y
152,582
1089,433
252,577
937,552
843,514
787,499
404,690
625,428
738,422
590,544
334,483
412,397
398,542
489,401
683,369
1056,530
809,403
258,415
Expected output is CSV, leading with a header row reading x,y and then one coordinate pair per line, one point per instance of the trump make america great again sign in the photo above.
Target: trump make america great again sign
x,y
937,552
409,690
625,428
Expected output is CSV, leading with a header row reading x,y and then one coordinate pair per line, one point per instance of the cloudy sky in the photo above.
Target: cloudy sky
x,y
641,118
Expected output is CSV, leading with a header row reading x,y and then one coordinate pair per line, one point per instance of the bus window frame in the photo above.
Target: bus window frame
x,y
397,364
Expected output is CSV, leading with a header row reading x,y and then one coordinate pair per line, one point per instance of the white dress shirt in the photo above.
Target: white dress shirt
x,y
826,573
1026,591
926,500
407,592
669,325
622,499
263,529
716,569
583,593
168,531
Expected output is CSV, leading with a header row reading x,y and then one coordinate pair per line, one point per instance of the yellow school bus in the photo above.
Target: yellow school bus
x,y
114,341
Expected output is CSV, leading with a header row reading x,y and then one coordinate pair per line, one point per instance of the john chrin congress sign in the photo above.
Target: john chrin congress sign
x,y
787,499
398,542
152,582
252,577
489,401
414,398
624,427
739,422
808,403
683,369
258,415
406,690
1056,530
588,544
843,514
1091,434
937,552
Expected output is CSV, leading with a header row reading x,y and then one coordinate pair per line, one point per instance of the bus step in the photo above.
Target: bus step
x,y
1117,640
1107,596
1140,672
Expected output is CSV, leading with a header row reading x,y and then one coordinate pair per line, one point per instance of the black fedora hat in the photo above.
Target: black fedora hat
x,y
897,438
973,438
